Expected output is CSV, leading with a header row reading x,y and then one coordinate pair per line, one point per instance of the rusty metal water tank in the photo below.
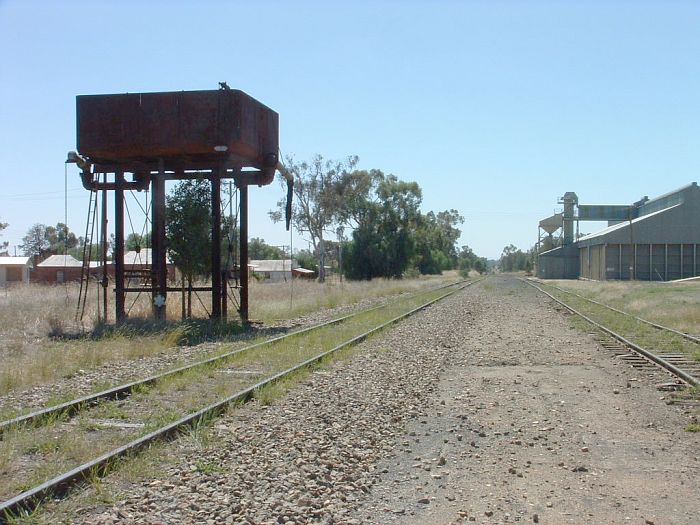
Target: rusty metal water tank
x,y
199,126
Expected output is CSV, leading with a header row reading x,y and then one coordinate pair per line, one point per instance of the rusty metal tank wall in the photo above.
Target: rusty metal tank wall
x,y
198,125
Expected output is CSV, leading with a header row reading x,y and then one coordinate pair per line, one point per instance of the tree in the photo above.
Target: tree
x,y
41,240
259,250
34,243
3,244
318,199
468,261
60,238
481,265
513,259
135,241
436,238
306,260
383,245
356,191
188,230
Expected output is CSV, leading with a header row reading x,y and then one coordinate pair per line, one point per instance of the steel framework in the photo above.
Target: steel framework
x,y
139,141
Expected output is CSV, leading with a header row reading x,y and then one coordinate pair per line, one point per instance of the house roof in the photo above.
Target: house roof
x,y
303,270
272,265
15,261
143,257
60,261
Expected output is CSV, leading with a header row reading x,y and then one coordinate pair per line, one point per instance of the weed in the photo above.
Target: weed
x,y
206,467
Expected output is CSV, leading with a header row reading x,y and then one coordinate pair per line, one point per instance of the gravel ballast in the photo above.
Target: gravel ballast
x,y
487,407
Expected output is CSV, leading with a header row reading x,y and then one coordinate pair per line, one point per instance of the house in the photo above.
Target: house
x,y
303,273
14,270
137,264
57,269
274,271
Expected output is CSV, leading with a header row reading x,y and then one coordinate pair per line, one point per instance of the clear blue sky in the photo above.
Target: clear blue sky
x,y
495,108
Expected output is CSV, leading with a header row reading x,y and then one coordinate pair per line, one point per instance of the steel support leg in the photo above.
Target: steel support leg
x,y
216,245
244,252
103,257
119,247
159,268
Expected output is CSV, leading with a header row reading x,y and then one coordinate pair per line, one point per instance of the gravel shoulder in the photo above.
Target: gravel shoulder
x,y
527,426
487,407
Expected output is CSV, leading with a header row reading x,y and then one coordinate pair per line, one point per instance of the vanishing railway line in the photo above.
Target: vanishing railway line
x,y
674,351
181,391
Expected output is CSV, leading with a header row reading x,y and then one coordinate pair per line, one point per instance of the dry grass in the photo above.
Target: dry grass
x,y
676,305
37,323
284,300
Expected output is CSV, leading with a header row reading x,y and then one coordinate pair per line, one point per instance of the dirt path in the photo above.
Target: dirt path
x,y
527,427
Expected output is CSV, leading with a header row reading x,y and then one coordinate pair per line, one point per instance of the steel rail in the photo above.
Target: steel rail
x,y
74,406
60,485
691,380
655,325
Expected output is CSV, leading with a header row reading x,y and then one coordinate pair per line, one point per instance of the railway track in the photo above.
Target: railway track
x,y
670,358
252,384
650,323
70,408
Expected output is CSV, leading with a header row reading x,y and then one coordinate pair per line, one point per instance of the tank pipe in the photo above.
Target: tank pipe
x,y
290,192
86,175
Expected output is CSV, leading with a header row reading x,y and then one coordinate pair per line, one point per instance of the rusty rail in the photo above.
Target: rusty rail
x,y
645,321
70,408
681,374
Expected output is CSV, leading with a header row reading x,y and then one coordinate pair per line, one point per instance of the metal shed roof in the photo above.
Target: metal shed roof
x,y
272,265
60,261
15,261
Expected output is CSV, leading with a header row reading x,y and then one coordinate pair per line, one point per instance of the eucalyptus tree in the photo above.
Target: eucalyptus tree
x,y
3,244
318,200
188,230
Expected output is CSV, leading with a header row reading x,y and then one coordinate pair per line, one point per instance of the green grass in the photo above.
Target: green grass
x,y
692,427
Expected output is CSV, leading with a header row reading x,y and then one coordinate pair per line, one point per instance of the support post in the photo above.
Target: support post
x,y
216,244
119,247
159,269
620,262
105,278
665,262
243,190
588,250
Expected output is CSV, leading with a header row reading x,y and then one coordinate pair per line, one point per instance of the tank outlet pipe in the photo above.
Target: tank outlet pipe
x,y
85,167
290,192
